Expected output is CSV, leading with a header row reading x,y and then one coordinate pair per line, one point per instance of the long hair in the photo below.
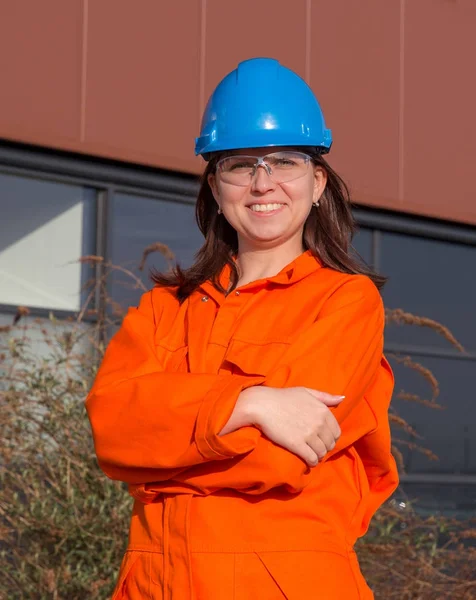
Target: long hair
x,y
328,232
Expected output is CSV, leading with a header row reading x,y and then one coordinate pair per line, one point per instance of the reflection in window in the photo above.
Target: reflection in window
x,y
45,228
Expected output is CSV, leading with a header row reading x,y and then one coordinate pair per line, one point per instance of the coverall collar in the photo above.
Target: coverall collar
x,y
302,266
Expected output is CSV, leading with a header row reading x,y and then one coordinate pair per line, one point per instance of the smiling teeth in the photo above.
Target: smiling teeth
x,y
265,207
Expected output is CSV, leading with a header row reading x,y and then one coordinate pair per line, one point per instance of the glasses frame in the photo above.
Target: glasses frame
x,y
261,162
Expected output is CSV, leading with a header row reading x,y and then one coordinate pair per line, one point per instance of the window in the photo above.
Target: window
x,y
362,243
45,227
434,279
431,274
138,221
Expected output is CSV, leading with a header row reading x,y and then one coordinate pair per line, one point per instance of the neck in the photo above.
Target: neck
x,y
258,263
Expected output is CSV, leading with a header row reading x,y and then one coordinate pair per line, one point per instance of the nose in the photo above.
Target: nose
x,y
261,181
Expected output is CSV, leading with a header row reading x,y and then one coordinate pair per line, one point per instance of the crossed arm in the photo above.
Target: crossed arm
x,y
154,426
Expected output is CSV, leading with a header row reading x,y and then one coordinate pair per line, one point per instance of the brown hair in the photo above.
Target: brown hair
x,y
328,232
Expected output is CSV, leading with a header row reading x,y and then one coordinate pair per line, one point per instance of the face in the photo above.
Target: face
x,y
266,214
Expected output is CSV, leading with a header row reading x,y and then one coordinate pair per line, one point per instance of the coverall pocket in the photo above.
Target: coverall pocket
x,y
227,576
314,574
134,577
171,359
254,358
360,474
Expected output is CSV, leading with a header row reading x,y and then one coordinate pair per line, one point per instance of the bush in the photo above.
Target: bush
x,y
407,557
64,524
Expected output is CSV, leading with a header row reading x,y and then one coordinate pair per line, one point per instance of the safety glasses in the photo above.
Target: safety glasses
x,y
281,167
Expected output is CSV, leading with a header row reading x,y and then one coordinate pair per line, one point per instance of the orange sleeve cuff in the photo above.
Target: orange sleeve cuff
x,y
216,409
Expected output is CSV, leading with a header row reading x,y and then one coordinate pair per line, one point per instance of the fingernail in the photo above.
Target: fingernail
x,y
340,397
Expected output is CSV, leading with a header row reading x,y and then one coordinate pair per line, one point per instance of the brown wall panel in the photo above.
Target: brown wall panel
x,y
40,66
143,80
236,31
129,80
440,108
355,74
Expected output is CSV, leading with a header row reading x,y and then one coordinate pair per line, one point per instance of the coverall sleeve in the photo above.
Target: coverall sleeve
x,y
340,353
149,424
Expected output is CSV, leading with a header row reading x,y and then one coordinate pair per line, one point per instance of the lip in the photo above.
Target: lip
x,y
269,213
263,202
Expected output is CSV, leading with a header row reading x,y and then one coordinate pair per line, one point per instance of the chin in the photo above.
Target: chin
x,y
268,238
269,232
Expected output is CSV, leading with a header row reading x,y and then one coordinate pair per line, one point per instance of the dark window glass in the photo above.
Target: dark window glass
x,y
362,242
451,432
433,279
137,222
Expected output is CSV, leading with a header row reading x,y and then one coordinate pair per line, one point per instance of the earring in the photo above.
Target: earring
x,y
316,203
219,210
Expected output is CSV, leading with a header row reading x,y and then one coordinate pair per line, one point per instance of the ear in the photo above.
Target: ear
x,y
212,182
320,182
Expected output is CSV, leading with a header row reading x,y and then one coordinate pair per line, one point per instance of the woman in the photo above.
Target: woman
x,y
245,401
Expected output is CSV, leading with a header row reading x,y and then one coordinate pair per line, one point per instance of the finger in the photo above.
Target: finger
x,y
318,446
327,438
307,454
327,399
333,426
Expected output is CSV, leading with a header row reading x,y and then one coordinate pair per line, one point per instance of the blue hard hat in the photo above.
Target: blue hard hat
x,y
260,104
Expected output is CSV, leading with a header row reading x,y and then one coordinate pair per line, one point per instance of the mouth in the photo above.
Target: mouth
x,y
266,209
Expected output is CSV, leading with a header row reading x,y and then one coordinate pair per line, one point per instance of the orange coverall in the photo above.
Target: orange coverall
x,y
236,516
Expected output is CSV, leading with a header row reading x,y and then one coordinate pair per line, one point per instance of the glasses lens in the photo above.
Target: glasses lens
x,y
280,166
286,166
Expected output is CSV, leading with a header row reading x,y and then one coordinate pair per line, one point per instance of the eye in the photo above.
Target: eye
x,y
282,163
235,164
240,165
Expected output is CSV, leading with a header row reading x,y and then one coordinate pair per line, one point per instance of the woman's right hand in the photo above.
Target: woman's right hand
x,y
295,418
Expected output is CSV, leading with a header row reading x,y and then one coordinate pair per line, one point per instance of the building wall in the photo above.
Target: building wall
x,y
129,81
